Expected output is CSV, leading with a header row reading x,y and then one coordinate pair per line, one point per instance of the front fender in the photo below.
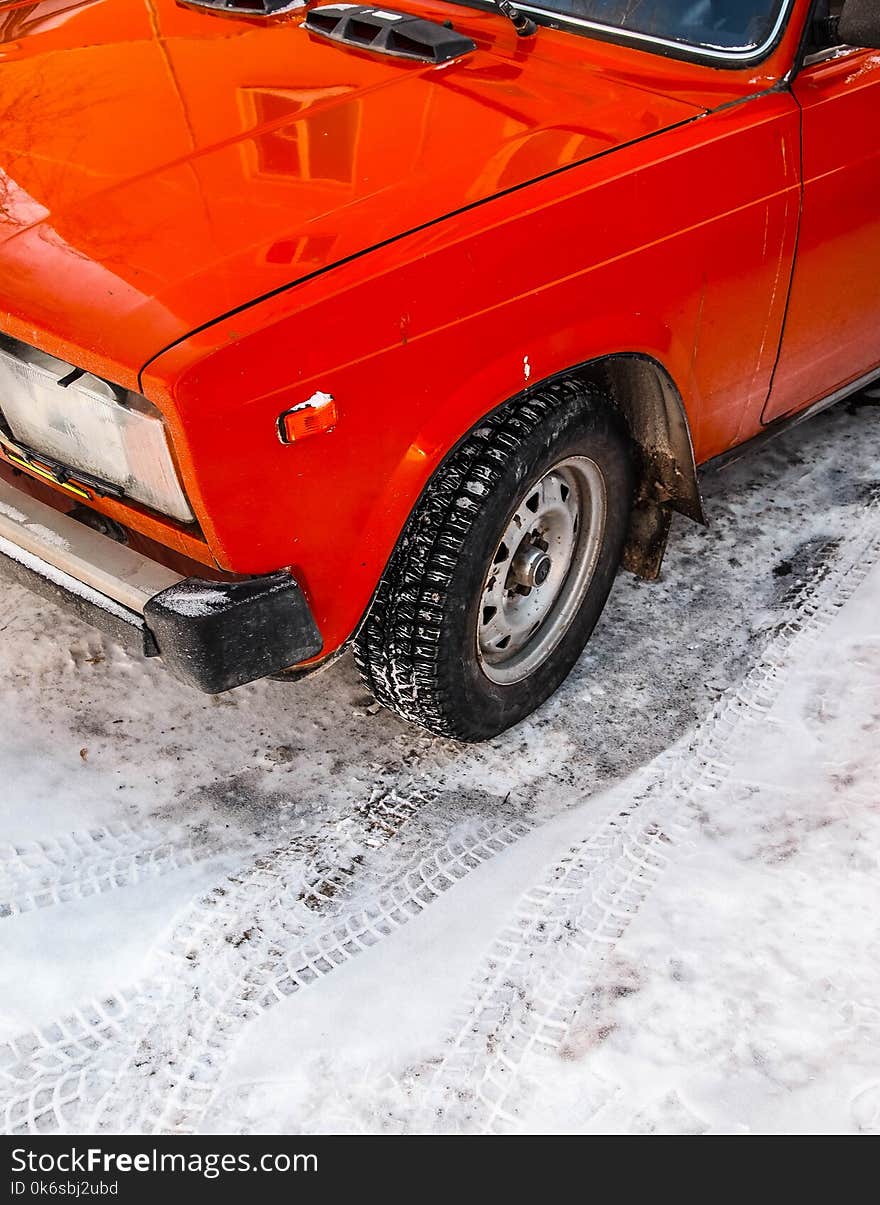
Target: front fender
x,y
333,506
663,256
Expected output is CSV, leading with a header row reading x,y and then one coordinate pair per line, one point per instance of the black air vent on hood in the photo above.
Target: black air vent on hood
x,y
388,32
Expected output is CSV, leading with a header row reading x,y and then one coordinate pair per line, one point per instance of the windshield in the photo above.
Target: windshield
x,y
729,26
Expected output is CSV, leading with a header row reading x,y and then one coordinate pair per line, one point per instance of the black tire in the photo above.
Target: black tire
x,y
417,650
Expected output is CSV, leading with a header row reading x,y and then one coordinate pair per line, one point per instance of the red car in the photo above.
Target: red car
x,y
403,328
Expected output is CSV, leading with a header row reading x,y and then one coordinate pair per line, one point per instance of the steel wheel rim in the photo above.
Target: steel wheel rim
x,y
541,569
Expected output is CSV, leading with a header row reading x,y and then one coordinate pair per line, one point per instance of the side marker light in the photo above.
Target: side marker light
x,y
313,417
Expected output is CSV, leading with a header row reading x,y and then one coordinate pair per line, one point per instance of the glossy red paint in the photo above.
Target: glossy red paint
x,y
163,166
832,330
235,215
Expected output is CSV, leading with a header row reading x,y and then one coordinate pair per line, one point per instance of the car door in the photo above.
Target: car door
x,y
832,328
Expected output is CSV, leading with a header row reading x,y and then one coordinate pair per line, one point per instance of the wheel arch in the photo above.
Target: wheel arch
x,y
645,394
650,402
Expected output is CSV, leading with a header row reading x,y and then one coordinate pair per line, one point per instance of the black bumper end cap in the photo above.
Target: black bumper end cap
x,y
218,635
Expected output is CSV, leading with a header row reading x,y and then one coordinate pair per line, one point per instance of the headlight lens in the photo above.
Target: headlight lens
x,y
89,425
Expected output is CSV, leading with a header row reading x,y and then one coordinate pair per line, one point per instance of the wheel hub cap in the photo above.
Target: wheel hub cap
x,y
531,565
541,569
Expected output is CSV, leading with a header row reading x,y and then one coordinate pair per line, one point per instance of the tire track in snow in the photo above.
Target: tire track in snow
x,y
73,866
91,1069
148,1059
541,968
179,1104
51,1078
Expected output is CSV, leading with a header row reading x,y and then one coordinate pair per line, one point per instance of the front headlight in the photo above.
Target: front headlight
x,y
90,426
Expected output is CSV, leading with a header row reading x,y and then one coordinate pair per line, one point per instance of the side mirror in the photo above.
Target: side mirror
x,y
859,24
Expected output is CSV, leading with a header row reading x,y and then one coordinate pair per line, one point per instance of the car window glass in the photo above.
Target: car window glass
x,y
736,25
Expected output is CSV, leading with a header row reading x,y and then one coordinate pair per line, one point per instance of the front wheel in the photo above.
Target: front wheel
x,y
504,568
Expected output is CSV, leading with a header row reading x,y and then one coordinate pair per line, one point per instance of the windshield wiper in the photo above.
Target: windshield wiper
x,y
523,25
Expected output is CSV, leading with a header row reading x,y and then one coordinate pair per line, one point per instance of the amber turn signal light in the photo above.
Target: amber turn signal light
x,y
313,417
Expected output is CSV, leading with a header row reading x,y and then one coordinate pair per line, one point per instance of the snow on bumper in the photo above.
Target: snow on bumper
x,y
211,635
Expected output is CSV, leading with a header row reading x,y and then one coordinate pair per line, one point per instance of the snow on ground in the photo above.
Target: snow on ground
x,y
653,907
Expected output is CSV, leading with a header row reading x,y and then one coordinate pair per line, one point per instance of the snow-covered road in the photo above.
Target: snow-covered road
x,y
652,907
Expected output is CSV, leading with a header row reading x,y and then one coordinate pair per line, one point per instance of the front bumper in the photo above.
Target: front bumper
x,y
211,635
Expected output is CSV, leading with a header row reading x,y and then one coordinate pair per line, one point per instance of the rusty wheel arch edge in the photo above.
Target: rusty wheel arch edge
x,y
648,398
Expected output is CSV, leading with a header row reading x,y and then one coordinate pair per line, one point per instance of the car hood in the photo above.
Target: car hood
x,y
162,166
